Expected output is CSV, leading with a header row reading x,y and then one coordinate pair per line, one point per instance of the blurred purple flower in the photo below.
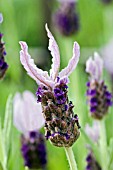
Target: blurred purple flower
x,y
33,150
66,19
92,164
3,64
28,119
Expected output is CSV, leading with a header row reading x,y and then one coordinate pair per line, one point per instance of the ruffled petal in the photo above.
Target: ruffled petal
x,y
53,47
72,62
37,74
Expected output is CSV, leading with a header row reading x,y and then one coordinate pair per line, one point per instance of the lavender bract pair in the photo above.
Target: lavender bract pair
x,y
61,125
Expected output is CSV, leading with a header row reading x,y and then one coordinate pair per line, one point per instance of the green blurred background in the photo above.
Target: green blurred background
x,y
25,20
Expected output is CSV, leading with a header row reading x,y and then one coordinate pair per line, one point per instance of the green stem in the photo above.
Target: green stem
x,y
71,159
103,145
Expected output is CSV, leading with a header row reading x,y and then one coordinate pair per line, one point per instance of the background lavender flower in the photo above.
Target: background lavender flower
x,y
92,164
33,150
28,120
66,18
99,98
3,64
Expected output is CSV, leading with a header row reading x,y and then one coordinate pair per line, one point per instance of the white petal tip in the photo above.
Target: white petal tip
x,y
23,45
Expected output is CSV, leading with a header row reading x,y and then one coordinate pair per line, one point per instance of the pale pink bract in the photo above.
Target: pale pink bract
x,y
95,67
42,77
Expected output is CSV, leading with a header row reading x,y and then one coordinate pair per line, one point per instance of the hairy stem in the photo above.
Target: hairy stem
x,y
71,159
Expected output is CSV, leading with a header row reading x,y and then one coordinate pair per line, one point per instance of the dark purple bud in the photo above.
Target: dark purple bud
x,y
92,109
88,84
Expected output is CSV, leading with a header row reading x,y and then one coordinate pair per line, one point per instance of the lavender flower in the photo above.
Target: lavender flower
x,y
93,131
66,19
3,64
99,98
62,127
92,164
28,120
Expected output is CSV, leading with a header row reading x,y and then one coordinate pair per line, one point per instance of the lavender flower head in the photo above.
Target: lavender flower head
x,y
66,19
93,131
99,98
61,127
28,120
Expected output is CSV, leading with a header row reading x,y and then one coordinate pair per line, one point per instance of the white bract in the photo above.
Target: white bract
x,y
93,131
1,18
27,113
95,67
42,77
